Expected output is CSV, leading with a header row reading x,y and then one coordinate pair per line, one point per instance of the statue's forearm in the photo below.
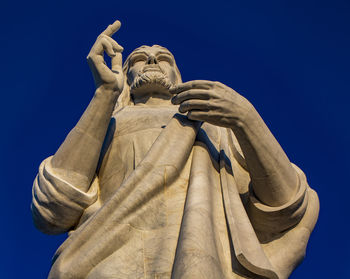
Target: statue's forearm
x,y
76,159
274,180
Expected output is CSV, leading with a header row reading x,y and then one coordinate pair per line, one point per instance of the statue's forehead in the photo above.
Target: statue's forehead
x,y
151,49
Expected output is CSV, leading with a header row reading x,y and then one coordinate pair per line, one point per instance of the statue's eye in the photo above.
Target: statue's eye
x,y
137,58
165,58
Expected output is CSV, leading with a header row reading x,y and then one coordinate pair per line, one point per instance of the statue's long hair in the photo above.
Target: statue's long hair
x,y
125,98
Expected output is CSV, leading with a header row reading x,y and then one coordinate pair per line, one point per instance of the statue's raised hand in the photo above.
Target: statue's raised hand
x,y
110,79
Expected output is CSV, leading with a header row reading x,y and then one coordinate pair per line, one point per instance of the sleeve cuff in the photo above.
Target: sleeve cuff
x,y
58,205
280,218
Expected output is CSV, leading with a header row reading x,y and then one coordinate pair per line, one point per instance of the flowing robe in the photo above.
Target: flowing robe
x,y
171,199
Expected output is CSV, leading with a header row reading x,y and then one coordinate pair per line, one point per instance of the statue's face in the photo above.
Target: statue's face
x,y
151,70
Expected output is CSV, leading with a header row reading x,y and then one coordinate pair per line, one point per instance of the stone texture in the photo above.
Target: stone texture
x,y
165,179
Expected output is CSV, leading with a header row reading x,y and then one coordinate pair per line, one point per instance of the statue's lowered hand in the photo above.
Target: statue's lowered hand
x,y
109,79
211,101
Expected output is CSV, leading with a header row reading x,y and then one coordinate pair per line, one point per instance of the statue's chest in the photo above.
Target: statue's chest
x,y
131,134
135,119
136,129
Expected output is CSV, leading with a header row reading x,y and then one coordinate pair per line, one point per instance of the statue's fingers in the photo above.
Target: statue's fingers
x,y
117,47
108,48
198,115
201,94
202,105
194,84
112,28
117,62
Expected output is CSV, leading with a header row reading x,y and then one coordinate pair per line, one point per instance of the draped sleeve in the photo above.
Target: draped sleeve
x,y
280,218
281,231
58,205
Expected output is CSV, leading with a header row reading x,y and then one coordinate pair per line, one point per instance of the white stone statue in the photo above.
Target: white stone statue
x,y
164,179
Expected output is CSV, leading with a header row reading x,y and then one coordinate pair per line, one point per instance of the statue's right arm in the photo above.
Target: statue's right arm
x,y
64,180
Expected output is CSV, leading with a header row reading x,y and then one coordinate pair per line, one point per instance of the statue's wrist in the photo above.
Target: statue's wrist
x,y
107,91
247,117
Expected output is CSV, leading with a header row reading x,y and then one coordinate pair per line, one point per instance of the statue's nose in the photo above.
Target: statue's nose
x,y
152,60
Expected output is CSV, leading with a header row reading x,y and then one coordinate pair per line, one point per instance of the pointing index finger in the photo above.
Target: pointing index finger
x,y
112,28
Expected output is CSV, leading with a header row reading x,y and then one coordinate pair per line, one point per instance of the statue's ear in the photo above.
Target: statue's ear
x,y
124,98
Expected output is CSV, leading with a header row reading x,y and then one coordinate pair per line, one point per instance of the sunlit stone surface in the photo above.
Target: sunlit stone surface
x,y
165,179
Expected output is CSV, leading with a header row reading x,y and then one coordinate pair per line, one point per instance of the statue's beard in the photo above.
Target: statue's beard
x,y
151,80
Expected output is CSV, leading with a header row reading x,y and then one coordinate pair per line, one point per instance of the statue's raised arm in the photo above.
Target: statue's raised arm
x,y
75,162
86,138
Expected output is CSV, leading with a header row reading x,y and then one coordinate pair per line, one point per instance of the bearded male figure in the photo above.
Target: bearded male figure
x,y
164,179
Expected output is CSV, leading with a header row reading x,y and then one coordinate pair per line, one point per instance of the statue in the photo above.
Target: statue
x,y
164,179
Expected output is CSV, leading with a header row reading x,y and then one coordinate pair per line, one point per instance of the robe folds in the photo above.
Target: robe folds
x,y
171,198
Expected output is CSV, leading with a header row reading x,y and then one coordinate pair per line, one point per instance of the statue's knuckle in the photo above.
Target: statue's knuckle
x,y
191,116
218,84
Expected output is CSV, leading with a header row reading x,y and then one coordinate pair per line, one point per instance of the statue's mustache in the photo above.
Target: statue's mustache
x,y
151,75
152,68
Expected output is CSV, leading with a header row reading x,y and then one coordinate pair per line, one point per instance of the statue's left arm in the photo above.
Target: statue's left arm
x,y
274,179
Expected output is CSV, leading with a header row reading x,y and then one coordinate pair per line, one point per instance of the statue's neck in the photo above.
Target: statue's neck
x,y
154,99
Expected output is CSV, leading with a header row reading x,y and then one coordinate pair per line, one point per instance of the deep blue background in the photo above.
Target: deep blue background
x,y
289,58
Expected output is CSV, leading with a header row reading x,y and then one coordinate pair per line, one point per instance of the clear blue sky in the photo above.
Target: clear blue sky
x,y
289,58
